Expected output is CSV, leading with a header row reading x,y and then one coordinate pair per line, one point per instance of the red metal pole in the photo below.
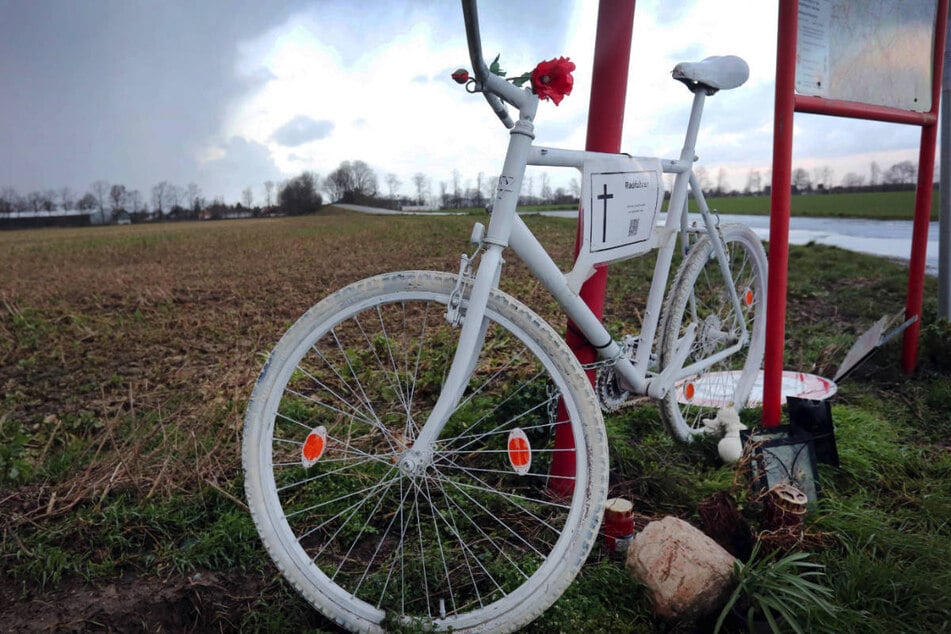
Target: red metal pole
x,y
612,55
785,105
919,246
919,236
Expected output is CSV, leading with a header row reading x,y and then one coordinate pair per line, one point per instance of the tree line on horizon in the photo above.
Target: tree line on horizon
x,y
355,182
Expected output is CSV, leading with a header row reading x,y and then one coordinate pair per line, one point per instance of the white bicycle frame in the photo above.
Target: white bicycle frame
x,y
506,229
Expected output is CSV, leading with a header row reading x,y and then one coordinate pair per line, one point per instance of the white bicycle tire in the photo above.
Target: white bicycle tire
x,y
511,609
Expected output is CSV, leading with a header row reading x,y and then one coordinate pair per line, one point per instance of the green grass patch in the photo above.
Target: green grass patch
x,y
874,205
129,357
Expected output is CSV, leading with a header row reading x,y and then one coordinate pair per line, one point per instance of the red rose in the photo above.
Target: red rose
x,y
460,76
552,79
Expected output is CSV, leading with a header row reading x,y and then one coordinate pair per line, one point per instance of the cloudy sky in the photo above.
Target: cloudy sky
x,y
231,94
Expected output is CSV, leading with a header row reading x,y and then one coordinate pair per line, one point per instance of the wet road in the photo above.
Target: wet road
x,y
886,238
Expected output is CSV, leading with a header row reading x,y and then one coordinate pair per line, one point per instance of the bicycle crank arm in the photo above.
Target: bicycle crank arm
x,y
658,386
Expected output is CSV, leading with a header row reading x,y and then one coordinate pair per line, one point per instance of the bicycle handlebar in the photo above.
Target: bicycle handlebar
x,y
496,90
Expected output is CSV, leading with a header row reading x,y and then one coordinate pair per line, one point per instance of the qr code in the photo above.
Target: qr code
x,y
632,229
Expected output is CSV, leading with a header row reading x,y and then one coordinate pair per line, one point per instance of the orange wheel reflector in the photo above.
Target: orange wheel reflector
x,y
520,452
314,446
748,297
689,391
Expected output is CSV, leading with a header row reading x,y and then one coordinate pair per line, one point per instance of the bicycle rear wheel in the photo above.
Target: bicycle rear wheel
x,y
477,541
701,296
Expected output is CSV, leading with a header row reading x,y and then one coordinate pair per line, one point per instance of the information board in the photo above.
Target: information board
x,y
876,52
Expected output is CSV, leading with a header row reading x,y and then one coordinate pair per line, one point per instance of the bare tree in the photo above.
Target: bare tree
x,y
392,184
193,197
49,201
268,192
65,198
160,198
480,183
299,195
422,186
443,193
100,189
528,186
723,185
175,194
350,182
364,179
901,173
117,196
34,201
822,177
456,191
703,177
87,202
853,180
875,174
545,188
754,182
575,188
247,197
800,180
135,201
9,201
489,186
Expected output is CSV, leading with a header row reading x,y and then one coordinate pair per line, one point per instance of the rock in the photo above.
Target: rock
x,y
688,573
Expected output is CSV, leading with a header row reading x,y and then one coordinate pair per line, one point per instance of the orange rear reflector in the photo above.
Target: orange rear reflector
x,y
748,297
689,391
520,452
314,446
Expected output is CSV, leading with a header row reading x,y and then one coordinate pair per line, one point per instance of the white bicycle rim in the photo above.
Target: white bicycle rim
x,y
699,294
472,545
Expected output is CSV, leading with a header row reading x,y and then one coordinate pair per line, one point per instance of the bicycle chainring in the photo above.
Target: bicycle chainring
x,y
611,395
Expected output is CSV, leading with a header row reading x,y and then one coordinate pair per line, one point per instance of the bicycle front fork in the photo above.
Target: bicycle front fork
x,y
473,307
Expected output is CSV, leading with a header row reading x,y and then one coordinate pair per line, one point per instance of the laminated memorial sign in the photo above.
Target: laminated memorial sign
x,y
620,198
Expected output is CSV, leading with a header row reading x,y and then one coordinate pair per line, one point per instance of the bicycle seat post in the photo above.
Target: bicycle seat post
x,y
679,194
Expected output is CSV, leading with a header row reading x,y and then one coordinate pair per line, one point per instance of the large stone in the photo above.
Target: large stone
x,y
688,573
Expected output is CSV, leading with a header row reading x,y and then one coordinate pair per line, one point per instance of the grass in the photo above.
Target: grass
x,y
898,205
128,355
875,205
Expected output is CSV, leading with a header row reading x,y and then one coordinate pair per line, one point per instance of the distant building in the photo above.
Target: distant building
x,y
68,218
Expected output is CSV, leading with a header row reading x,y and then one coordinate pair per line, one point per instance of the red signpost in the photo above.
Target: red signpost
x,y
612,54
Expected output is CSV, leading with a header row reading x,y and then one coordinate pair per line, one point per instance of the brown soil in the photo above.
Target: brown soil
x,y
199,602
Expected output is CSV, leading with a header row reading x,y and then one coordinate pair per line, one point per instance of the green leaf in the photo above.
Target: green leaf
x,y
521,79
495,68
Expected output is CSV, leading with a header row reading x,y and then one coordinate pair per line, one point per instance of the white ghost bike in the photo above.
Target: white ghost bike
x,y
422,449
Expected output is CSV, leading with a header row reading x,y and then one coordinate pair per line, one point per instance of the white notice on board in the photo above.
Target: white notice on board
x,y
812,47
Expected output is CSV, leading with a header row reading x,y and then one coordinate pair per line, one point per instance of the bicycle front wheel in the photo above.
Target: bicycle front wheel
x,y
700,295
484,537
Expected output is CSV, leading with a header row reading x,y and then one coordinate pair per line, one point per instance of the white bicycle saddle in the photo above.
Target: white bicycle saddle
x,y
712,74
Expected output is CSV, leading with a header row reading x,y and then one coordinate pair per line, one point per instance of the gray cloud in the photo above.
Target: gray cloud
x,y
120,91
244,164
302,129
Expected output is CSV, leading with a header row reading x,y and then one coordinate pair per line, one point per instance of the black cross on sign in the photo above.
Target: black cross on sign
x,y
604,227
